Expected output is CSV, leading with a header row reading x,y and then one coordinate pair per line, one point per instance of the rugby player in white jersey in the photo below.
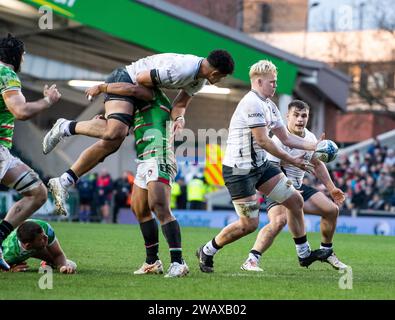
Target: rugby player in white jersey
x,y
185,72
246,169
315,202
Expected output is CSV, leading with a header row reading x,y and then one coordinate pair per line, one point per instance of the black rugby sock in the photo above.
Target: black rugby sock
x,y
5,229
172,234
150,232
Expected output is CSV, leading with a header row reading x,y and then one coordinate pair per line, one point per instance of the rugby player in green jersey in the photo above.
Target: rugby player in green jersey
x,y
35,239
13,172
156,170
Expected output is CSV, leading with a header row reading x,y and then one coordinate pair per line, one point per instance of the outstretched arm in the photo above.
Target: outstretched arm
x,y
22,110
123,89
322,174
180,105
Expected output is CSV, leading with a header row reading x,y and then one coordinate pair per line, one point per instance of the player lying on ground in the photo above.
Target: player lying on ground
x,y
315,202
35,239
246,169
188,73
13,172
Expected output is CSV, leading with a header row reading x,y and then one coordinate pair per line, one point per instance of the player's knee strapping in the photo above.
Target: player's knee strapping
x,y
282,191
123,117
109,154
249,209
26,181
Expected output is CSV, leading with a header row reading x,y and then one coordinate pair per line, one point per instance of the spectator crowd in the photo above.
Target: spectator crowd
x,y
367,179
101,198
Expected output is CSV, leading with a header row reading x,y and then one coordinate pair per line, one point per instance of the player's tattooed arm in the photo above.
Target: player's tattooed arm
x,y
180,104
123,89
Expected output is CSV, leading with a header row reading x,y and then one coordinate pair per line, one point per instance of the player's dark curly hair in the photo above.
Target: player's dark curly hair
x,y
298,104
11,51
28,231
222,61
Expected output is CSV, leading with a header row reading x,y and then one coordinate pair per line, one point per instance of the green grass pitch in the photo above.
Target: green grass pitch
x,y
107,255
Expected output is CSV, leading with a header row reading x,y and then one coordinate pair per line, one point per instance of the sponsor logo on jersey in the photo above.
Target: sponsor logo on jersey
x,y
255,115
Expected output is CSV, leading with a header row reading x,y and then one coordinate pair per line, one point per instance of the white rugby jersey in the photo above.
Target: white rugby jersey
x,y
171,71
242,150
293,173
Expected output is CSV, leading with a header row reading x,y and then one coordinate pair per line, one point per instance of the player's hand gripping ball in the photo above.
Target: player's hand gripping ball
x,y
326,151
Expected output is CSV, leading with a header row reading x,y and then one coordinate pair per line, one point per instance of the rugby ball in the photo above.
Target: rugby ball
x,y
70,263
326,151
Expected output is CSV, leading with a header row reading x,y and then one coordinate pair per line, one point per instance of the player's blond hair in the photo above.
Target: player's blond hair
x,y
261,68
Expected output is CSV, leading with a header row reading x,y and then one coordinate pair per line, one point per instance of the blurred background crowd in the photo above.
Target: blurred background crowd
x,y
367,179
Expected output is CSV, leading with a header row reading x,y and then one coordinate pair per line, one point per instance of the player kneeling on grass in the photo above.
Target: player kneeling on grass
x,y
35,239
315,202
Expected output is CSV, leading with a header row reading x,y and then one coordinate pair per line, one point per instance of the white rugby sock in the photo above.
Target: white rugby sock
x,y
326,248
209,250
66,180
253,257
303,250
65,128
